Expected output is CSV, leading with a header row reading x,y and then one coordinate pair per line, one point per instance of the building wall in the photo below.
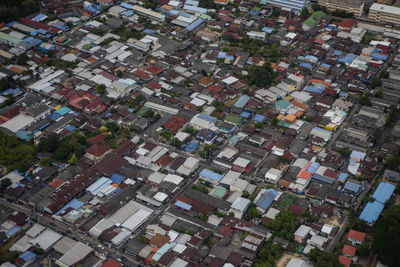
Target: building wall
x,y
384,17
355,7
293,4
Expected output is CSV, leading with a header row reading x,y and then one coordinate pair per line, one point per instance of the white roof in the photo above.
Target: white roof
x,y
64,244
156,177
173,178
100,227
77,253
160,196
136,219
178,262
302,231
272,213
18,123
241,162
120,237
230,80
327,229
46,239
385,8
179,248
14,177
241,204
35,230
295,262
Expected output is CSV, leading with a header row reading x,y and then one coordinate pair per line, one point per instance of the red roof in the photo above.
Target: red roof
x,y
142,74
347,23
11,113
57,182
215,88
175,124
349,250
154,69
111,263
98,149
154,85
36,24
344,260
356,235
98,138
297,209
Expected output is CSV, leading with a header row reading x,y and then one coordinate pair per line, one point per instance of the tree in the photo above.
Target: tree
x,y
379,94
101,88
6,182
314,254
387,237
175,142
258,125
365,101
231,214
73,159
345,152
186,83
148,114
45,161
274,121
376,82
252,213
50,144
144,239
103,129
305,12
22,59
119,73
328,260
166,134
284,225
363,250
309,118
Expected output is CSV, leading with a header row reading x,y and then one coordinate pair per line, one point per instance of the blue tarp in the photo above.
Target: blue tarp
x,y
266,199
183,205
209,174
311,58
74,203
54,116
242,101
117,178
148,31
13,230
337,53
245,114
70,128
259,118
313,89
371,212
191,147
343,177
11,91
383,192
28,256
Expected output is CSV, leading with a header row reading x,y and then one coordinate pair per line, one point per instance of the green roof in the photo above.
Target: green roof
x,y
9,38
205,16
235,119
219,192
142,111
283,104
63,111
300,249
312,20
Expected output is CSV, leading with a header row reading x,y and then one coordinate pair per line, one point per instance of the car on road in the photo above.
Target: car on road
x,y
124,258
52,224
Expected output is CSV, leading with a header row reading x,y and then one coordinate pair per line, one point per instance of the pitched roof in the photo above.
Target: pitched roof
x,y
356,235
349,250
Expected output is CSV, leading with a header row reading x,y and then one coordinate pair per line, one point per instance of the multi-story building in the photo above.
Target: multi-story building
x,y
350,6
292,4
384,14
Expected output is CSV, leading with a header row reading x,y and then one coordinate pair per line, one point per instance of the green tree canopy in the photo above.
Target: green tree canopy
x,y
284,225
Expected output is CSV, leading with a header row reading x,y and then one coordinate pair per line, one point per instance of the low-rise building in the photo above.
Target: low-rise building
x,y
355,7
384,14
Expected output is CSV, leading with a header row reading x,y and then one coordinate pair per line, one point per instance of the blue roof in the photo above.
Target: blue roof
x,y
343,177
126,5
306,65
117,178
245,114
192,2
13,230
242,101
337,53
267,29
183,205
312,58
259,118
207,117
371,212
148,31
352,187
357,154
349,58
70,128
313,167
191,147
128,13
39,17
378,56
93,187
11,91
74,203
195,9
383,192
211,175
194,24
28,256
322,178
314,89
266,199
326,65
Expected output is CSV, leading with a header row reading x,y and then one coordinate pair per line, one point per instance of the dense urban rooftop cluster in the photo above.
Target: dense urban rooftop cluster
x,y
196,133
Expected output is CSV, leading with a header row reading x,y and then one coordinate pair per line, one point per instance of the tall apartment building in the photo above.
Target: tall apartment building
x,y
384,14
350,6
292,4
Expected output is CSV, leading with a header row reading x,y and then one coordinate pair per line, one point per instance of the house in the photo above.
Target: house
x,y
239,206
97,151
349,251
302,233
356,237
273,175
